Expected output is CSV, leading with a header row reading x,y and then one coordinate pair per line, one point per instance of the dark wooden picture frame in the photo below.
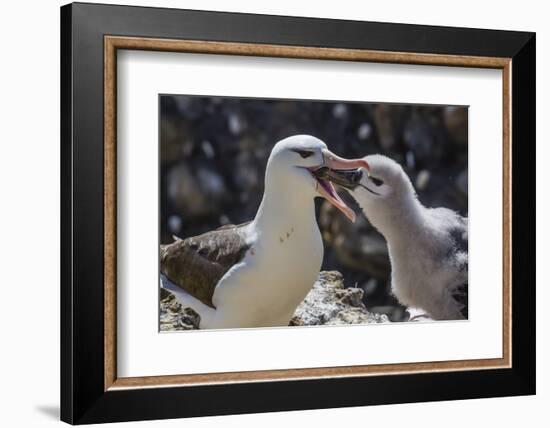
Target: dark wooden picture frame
x,y
90,37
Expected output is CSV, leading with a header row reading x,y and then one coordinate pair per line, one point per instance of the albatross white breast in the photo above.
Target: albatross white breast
x,y
428,247
257,273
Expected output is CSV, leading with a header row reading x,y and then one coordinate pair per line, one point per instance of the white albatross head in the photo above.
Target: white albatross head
x,y
293,168
386,180
384,191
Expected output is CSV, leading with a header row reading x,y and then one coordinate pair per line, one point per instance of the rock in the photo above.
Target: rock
x,y
195,192
350,296
418,137
367,253
247,175
208,149
456,122
389,122
358,245
165,295
364,131
173,141
370,286
189,320
174,224
191,108
236,124
330,303
340,111
173,317
422,180
462,183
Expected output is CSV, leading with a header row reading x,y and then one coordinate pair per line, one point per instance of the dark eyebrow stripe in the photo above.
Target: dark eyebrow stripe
x,y
304,153
372,191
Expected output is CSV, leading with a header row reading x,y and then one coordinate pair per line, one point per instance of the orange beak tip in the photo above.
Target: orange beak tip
x,y
350,214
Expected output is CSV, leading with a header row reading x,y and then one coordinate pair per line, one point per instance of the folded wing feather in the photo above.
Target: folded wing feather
x,y
197,264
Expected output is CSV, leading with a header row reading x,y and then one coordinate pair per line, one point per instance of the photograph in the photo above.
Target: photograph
x,y
291,212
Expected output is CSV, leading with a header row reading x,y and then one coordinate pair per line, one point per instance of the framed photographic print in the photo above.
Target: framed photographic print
x,y
265,213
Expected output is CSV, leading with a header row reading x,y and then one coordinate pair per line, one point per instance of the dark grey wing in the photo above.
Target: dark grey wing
x,y
459,255
458,250
232,226
460,296
198,263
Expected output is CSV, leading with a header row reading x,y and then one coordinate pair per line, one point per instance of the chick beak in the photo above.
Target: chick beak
x,y
325,187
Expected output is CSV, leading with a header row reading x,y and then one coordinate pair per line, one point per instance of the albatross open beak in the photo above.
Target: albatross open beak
x,y
325,188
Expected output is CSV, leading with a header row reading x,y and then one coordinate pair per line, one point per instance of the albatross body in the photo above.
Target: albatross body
x,y
428,247
257,273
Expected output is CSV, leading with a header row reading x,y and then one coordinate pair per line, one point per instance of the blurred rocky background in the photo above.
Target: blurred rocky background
x,y
213,153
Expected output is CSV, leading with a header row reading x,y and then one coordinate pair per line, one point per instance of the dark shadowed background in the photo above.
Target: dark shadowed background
x,y
213,153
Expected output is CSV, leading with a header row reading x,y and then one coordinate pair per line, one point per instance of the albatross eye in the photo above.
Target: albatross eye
x,y
377,182
304,153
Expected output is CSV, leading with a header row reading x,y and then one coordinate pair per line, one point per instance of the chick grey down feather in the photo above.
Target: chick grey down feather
x,y
428,247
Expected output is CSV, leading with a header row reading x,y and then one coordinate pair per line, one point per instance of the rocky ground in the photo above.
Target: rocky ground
x,y
328,303
173,316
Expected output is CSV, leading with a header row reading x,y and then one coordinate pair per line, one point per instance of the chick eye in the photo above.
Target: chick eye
x,y
304,153
377,182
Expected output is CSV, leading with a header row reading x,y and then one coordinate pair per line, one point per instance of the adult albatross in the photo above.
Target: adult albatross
x,y
257,273
428,247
